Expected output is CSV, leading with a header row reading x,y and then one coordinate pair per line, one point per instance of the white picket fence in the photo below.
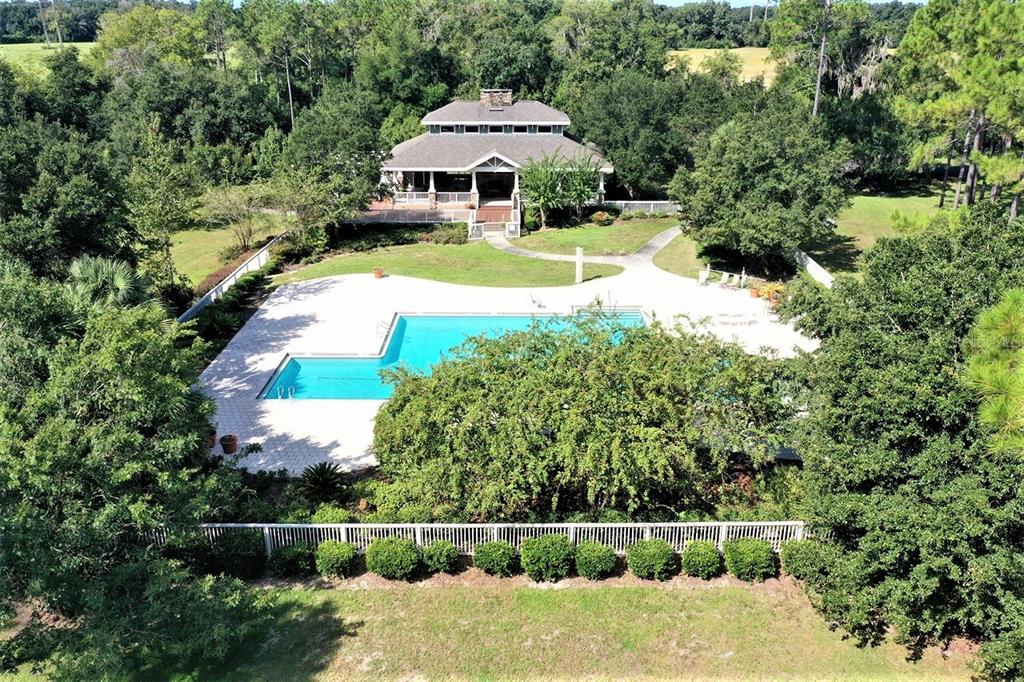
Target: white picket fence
x,y
649,206
253,263
404,215
466,536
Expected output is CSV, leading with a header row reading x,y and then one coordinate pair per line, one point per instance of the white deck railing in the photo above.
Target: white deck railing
x,y
411,197
454,197
253,263
466,536
649,206
404,215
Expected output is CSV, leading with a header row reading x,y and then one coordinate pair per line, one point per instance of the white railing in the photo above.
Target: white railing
x,y
440,215
813,269
253,263
454,197
411,197
476,230
649,206
466,536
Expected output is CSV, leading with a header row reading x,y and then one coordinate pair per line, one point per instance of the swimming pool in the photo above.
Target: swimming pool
x,y
415,341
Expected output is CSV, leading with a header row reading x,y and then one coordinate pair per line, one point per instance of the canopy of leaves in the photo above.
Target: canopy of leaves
x,y
539,424
927,518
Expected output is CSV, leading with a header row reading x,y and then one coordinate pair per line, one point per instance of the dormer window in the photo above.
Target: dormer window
x,y
495,129
518,129
543,129
447,129
472,129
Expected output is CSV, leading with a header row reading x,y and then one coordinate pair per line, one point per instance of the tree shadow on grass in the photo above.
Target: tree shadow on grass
x,y
917,187
836,253
299,642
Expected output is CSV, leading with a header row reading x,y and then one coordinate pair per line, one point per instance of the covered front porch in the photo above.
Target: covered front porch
x,y
453,189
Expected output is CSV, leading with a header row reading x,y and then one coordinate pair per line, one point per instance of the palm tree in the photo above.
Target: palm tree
x,y
102,283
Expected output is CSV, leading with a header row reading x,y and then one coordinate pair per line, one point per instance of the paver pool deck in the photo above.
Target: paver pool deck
x,y
351,314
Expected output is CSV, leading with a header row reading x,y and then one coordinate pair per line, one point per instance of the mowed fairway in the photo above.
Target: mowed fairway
x,y
32,56
688,630
756,61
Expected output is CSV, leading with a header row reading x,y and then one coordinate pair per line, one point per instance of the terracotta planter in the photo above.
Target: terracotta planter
x,y
754,293
212,440
378,273
229,443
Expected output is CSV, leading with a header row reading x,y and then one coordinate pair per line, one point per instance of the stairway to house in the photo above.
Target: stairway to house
x,y
494,214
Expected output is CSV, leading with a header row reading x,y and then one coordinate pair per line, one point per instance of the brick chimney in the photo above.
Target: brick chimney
x,y
496,99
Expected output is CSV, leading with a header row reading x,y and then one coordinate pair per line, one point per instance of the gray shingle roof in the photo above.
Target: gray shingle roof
x,y
525,111
454,152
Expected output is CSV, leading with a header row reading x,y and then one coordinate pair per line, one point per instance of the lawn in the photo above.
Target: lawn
x,y
868,218
756,61
689,630
31,56
477,263
679,257
620,238
196,253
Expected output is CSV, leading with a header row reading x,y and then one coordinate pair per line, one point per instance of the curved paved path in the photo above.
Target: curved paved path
x,y
642,258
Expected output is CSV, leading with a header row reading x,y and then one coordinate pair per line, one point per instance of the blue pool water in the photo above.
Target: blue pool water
x,y
417,342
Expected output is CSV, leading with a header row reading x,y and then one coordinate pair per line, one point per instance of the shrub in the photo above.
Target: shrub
x,y
331,513
394,558
240,552
595,561
548,558
627,215
602,218
749,559
454,233
652,560
801,558
322,482
701,559
496,558
336,558
293,561
192,549
441,556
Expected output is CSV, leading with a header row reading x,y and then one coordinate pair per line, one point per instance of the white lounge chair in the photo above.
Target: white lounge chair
x,y
725,279
702,278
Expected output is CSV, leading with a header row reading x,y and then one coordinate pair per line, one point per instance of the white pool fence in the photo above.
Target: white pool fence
x,y
466,536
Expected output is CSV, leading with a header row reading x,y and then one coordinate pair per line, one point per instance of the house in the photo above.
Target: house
x,y
466,166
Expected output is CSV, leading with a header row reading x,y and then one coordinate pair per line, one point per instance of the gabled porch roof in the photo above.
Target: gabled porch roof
x,y
463,153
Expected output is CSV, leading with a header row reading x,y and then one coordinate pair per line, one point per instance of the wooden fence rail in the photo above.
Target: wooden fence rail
x,y
466,536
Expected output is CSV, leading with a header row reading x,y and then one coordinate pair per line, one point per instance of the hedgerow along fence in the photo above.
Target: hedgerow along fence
x,y
466,536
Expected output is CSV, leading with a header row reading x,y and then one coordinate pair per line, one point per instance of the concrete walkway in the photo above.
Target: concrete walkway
x,y
644,258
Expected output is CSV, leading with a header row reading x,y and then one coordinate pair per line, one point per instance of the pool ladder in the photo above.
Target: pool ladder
x,y
281,395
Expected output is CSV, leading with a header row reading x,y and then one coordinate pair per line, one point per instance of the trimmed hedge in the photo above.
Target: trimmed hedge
x,y
394,558
497,558
701,559
801,558
293,561
335,558
652,560
239,552
548,558
595,561
749,559
441,556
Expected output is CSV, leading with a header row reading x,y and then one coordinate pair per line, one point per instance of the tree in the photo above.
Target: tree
x,y
162,197
126,42
762,185
107,449
921,517
241,208
634,419
555,182
217,20
101,283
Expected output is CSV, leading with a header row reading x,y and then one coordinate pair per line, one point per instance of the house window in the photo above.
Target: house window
x,y
518,129
447,129
543,129
495,129
472,129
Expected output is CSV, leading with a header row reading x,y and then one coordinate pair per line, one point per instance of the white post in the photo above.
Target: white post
x,y
600,188
431,192
266,541
431,188
579,264
515,183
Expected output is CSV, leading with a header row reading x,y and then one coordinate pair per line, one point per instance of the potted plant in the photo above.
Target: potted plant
x,y
771,291
378,273
755,292
211,439
229,443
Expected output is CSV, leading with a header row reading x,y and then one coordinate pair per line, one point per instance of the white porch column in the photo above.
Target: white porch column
x,y
474,195
600,188
431,192
515,189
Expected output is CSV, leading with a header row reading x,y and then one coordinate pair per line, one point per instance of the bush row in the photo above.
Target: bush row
x,y
546,558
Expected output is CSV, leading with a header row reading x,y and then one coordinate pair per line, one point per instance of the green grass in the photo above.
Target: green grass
x,y
489,632
32,56
476,263
756,61
869,218
613,240
679,257
196,253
